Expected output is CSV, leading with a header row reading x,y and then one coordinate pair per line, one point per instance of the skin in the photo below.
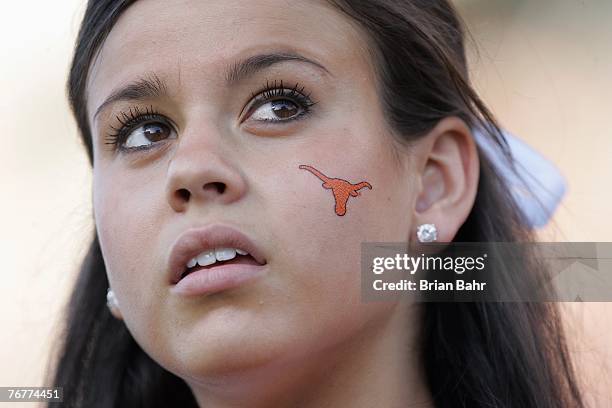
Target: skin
x,y
299,335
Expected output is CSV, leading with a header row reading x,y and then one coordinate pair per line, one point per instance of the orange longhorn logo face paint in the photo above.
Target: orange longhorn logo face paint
x,y
341,189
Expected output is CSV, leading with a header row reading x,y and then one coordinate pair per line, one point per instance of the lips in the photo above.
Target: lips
x,y
197,240
241,259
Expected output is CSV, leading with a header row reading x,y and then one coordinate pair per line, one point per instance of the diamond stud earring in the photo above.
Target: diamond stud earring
x,y
427,233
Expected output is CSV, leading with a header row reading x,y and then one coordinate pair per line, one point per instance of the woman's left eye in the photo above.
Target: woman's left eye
x,y
279,110
276,103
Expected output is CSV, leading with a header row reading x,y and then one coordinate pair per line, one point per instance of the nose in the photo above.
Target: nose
x,y
200,172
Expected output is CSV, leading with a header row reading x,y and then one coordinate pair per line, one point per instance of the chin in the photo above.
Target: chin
x,y
230,341
232,357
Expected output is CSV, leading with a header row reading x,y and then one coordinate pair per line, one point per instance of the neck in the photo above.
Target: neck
x,y
377,367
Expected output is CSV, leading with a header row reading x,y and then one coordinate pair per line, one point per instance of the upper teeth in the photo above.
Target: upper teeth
x,y
211,256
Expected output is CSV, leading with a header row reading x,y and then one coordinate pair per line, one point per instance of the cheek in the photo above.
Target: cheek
x,y
343,191
349,193
321,250
125,223
108,218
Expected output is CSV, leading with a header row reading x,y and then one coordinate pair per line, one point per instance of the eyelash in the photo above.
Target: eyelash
x,y
130,121
274,91
270,92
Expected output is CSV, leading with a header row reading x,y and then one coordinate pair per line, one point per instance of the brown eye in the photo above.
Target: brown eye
x,y
284,109
148,134
278,110
156,132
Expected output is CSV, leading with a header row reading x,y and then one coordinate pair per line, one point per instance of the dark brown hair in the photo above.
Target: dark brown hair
x,y
474,354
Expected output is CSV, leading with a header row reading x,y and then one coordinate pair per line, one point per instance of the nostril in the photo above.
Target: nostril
x,y
220,187
183,194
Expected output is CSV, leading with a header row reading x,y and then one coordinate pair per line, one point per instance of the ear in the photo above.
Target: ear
x,y
113,305
116,313
448,178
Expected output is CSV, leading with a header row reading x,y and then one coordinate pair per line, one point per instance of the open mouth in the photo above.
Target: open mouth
x,y
246,259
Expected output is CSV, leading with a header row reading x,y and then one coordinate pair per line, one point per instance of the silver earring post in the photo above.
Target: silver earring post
x,y
427,233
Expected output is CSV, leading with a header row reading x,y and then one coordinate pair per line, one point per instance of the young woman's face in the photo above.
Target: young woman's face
x,y
216,149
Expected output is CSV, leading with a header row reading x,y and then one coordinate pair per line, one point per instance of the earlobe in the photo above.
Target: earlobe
x,y
113,305
448,177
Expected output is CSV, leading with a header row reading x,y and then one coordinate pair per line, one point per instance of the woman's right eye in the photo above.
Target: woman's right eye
x,y
139,130
147,134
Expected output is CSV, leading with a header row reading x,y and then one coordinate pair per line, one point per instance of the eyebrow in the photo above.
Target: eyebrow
x,y
148,87
151,86
249,66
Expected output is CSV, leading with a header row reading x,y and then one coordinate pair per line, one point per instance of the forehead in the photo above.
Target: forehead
x,y
195,39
